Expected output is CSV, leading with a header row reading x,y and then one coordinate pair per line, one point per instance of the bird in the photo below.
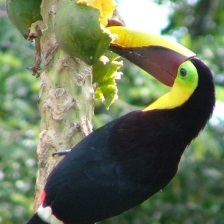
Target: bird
x,y
123,163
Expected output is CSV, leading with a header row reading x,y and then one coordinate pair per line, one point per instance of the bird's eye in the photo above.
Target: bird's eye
x,y
183,72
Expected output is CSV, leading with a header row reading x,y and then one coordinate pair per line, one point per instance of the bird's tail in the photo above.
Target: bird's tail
x,y
36,220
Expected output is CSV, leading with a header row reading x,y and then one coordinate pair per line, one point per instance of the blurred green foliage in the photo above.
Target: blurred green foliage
x,y
196,193
19,124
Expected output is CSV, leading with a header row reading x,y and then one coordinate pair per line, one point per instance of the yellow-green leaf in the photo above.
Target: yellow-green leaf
x,y
105,7
104,75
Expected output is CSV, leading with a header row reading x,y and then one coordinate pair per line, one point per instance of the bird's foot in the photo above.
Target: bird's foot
x,y
62,152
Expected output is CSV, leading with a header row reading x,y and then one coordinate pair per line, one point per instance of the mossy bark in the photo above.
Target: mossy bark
x,y
66,98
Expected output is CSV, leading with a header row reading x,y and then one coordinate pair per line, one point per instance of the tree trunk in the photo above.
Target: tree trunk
x,y
66,99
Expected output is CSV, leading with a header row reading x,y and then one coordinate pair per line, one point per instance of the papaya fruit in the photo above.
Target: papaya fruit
x,y
78,31
23,13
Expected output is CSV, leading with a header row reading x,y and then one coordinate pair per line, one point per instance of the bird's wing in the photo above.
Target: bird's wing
x,y
88,174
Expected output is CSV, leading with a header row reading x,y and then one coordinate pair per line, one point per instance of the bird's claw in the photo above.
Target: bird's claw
x,y
62,152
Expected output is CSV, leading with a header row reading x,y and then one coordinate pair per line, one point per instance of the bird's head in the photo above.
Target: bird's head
x,y
167,61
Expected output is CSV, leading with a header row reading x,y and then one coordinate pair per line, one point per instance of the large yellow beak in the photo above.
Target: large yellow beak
x,y
154,54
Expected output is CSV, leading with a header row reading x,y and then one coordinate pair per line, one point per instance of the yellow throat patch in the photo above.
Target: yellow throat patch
x,y
183,87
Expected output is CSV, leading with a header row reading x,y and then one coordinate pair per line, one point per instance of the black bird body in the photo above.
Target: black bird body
x,y
123,163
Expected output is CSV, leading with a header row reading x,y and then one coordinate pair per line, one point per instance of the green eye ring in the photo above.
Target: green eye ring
x,y
183,72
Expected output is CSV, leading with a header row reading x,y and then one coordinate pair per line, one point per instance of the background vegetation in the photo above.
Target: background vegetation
x,y
196,193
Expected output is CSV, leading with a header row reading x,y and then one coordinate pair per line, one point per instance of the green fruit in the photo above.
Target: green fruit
x,y
23,13
78,31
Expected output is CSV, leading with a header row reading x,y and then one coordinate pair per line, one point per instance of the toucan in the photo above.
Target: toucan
x,y
126,161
